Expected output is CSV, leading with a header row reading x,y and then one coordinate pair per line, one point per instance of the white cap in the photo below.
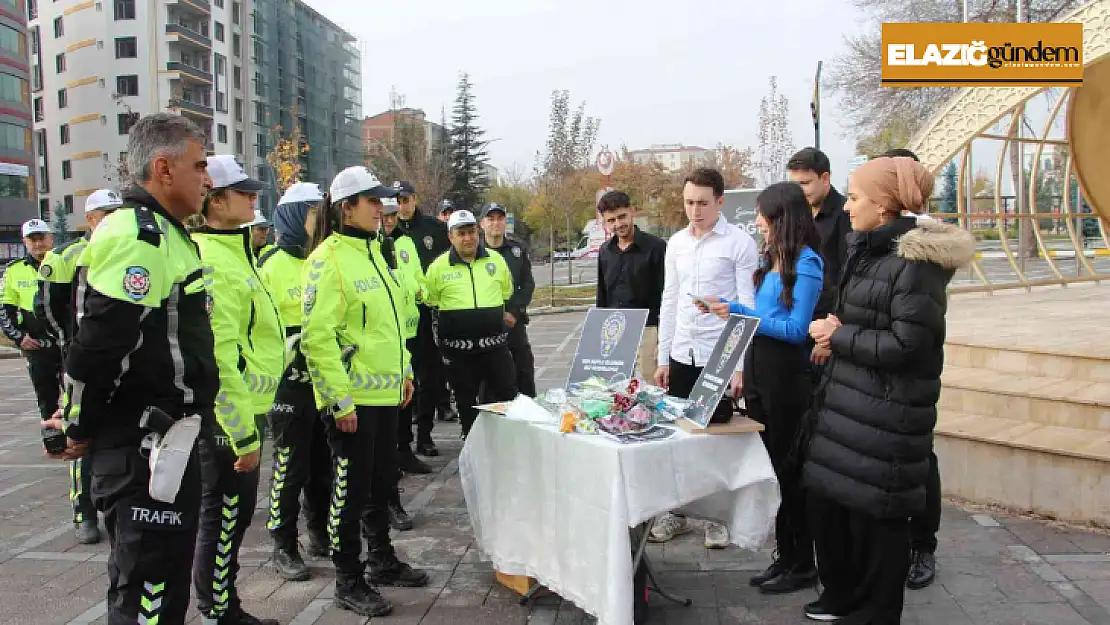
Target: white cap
x,y
461,218
227,173
301,192
390,206
35,226
259,220
103,199
358,179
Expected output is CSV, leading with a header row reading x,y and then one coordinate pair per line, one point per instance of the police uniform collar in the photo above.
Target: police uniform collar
x,y
455,259
206,229
296,251
137,195
357,233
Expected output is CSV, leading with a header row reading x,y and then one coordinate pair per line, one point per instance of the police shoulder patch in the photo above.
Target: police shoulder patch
x,y
46,270
309,298
136,282
491,268
405,256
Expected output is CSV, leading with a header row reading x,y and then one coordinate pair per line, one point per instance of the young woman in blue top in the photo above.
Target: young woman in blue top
x,y
777,386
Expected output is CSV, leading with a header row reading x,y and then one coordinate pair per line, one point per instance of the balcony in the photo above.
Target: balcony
x,y
189,36
190,72
195,7
190,107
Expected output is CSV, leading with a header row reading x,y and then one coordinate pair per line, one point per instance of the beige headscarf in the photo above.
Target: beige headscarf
x,y
897,184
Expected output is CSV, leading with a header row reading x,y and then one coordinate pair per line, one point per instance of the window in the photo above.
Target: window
x,y
236,44
11,88
218,31
260,147
235,9
239,142
237,77
259,53
257,83
238,109
41,151
64,130
259,113
59,27
13,137
39,112
35,40
11,39
126,121
261,173
221,133
67,202
219,4
126,48
67,170
127,85
221,103
60,63
220,65
125,9
32,9
63,99
14,186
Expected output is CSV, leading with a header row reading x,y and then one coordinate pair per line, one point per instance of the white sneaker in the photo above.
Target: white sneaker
x,y
667,527
716,535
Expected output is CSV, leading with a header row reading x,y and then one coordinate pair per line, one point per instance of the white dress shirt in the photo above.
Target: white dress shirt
x,y
721,263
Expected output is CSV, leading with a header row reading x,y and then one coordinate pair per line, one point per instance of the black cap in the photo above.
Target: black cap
x,y
495,207
404,188
446,206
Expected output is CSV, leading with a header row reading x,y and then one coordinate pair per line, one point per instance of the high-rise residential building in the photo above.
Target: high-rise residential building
x,y
17,188
308,71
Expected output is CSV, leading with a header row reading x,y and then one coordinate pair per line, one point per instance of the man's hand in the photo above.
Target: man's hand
x,y
510,320
663,376
74,449
820,355
347,423
720,309
247,462
822,330
29,344
409,390
736,386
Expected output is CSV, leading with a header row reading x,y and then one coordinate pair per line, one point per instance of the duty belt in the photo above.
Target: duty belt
x,y
473,344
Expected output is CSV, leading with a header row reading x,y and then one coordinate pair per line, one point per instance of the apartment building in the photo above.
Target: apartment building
x,y
378,129
672,156
17,188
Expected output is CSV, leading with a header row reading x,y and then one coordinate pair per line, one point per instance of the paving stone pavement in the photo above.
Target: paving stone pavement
x,y
994,569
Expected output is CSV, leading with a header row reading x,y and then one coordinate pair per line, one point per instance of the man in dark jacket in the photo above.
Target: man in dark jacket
x,y
515,254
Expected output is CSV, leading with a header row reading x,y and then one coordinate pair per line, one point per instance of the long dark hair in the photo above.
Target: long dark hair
x,y
328,218
786,210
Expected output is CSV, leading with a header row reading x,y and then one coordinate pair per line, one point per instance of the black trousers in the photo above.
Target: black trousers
x,y
226,512
151,542
301,462
523,359
80,491
683,378
364,478
431,379
777,391
924,526
491,372
864,561
44,365
424,420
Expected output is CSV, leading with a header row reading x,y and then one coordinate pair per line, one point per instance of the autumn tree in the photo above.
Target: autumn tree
x,y
776,143
895,135
288,149
409,153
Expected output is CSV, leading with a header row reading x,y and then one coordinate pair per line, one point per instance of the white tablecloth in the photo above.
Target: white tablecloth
x,y
558,506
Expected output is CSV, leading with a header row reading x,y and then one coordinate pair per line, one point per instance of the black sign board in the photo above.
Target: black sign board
x,y
608,345
723,362
740,209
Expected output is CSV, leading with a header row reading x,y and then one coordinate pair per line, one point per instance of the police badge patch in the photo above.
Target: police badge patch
x,y
405,256
428,242
208,304
45,271
491,268
516,251
136,282
309,298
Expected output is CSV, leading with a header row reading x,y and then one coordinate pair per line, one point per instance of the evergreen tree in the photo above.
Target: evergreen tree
x,y
949,192
60,224
468,150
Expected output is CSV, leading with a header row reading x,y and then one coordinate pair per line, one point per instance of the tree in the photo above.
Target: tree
x,y
468,150
949,190
736,166
406,155
119,173
289,147
60,223
776,144
896,134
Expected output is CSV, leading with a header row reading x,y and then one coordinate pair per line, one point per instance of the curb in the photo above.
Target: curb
x,y
539,312
7,353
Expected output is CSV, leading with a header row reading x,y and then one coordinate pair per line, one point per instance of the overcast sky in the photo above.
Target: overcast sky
x,y
654,71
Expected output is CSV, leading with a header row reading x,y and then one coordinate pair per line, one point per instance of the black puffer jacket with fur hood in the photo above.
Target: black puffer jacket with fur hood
x,y
869,448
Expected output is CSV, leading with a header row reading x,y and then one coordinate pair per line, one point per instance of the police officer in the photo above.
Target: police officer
x,y
302,460
260,234
55,303
430,237
144,345
250,351
22,326
470,285
354,303
446,207
515,254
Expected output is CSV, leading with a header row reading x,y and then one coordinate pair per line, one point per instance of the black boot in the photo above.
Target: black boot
x,y
790,581
778,567
88,532
427,448
289,564
387,570
447,414
923,570
318,545
398,518
359,597
239,616
409,463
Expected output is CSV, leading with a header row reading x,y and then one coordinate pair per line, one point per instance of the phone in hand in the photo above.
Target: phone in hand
x,y
700,300
53,440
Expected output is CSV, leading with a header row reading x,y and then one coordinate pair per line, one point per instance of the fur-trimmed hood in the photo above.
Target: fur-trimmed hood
x,y
939,243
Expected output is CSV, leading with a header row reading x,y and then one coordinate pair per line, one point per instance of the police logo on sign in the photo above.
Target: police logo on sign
x,y
491,268
428,242
136,282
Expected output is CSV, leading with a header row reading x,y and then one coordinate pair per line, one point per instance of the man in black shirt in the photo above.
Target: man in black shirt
x,y
630,272
515,254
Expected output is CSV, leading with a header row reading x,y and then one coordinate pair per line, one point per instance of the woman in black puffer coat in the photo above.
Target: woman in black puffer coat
x,y
868,456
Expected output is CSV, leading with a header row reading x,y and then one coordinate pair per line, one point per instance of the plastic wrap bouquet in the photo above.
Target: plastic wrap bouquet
x,y
616,407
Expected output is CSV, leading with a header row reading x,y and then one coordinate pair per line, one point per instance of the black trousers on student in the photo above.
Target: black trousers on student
x,y
864,561
523,359
777,391
683,378
924,526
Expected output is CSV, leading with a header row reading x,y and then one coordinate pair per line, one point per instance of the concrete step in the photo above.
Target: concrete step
x,y
1029,361
1038,400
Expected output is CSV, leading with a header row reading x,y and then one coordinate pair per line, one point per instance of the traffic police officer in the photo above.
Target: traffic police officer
x,y
515,254
354,303
302,460
144,346
470,285
430,237
260,234
55,303
22,326
250,350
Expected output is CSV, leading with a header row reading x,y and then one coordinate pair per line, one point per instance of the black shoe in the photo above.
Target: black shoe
x,y
239,616
318,546
409,463
447,414
360,598
398,518
427,449
289,564
923,570
778,567
790,581
389,571
88,533
815,611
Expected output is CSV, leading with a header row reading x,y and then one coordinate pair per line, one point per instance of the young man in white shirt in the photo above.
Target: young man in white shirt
x,y
709,256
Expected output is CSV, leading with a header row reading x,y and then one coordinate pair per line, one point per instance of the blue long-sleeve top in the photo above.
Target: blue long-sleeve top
x,y
775,320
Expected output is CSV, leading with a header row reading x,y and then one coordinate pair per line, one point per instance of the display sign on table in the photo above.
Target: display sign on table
x,y
723,362
608,345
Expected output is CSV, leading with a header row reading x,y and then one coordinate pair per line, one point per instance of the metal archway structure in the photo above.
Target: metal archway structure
x,y
971,115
